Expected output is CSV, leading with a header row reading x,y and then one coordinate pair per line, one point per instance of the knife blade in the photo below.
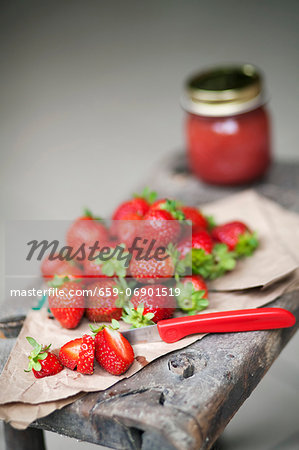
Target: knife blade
x,y
172,330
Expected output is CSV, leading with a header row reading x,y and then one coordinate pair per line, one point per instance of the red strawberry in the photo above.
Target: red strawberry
x,y
86,230
160,226
67,301
79,353
237,236
197,218
42,362
156,267
200,240
128,228
150,304
105,300
135,206
69,353
208,260
49,268
112,350
138,205
193,294
92,271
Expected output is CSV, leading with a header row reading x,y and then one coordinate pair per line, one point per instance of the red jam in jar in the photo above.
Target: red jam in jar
x,y
227,126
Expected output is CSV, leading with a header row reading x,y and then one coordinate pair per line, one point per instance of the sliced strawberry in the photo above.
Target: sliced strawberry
x,y
69,353
86,355
42,362
112,350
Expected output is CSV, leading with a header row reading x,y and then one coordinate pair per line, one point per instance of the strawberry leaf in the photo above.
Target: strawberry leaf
x,y
147,195
247,243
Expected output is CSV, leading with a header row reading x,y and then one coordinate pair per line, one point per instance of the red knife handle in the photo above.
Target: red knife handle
x,y
172,330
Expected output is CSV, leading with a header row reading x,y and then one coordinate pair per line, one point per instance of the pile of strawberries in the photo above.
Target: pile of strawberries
x,y
147,290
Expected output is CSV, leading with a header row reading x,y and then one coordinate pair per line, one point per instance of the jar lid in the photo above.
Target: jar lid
x,y
224,91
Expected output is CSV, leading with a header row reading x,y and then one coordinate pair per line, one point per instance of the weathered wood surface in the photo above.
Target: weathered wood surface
x,y
181,401
185,399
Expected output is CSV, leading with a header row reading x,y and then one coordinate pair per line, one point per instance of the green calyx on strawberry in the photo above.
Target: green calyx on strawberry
x,y
180,264
87,214
237,236
42,362
193,295
114,266
59,281
202,262
38,353
173,207
214,265
136,317
114,326
247,243
148,195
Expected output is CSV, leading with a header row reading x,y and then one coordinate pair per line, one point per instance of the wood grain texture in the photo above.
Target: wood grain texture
x,y
183,400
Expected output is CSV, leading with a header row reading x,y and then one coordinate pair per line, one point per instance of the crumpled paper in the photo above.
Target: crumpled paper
x,y
255,282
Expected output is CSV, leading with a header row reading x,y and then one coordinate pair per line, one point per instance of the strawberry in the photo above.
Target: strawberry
x,y
51,267
112,350
149,304
67,301
138,205
208,260
42,362
79,353
69,353
111,263
128,228
154,267
237,236
105,300
149,270
86,230
197,218
193,295
160,226
172,206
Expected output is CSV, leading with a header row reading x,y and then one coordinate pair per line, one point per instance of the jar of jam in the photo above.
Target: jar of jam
x,y
227,126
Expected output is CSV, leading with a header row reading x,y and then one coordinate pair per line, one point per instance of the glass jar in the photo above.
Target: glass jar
x,y
227,126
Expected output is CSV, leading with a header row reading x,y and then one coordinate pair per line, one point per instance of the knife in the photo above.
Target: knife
x,y
172,330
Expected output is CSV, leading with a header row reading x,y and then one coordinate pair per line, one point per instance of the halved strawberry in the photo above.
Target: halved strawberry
x,y
79,353
69,353
112,350
42,362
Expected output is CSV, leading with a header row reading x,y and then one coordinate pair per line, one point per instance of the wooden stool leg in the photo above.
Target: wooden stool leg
x,y
29,439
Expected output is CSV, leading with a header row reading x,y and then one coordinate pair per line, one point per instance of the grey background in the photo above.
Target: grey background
x,y
90,103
